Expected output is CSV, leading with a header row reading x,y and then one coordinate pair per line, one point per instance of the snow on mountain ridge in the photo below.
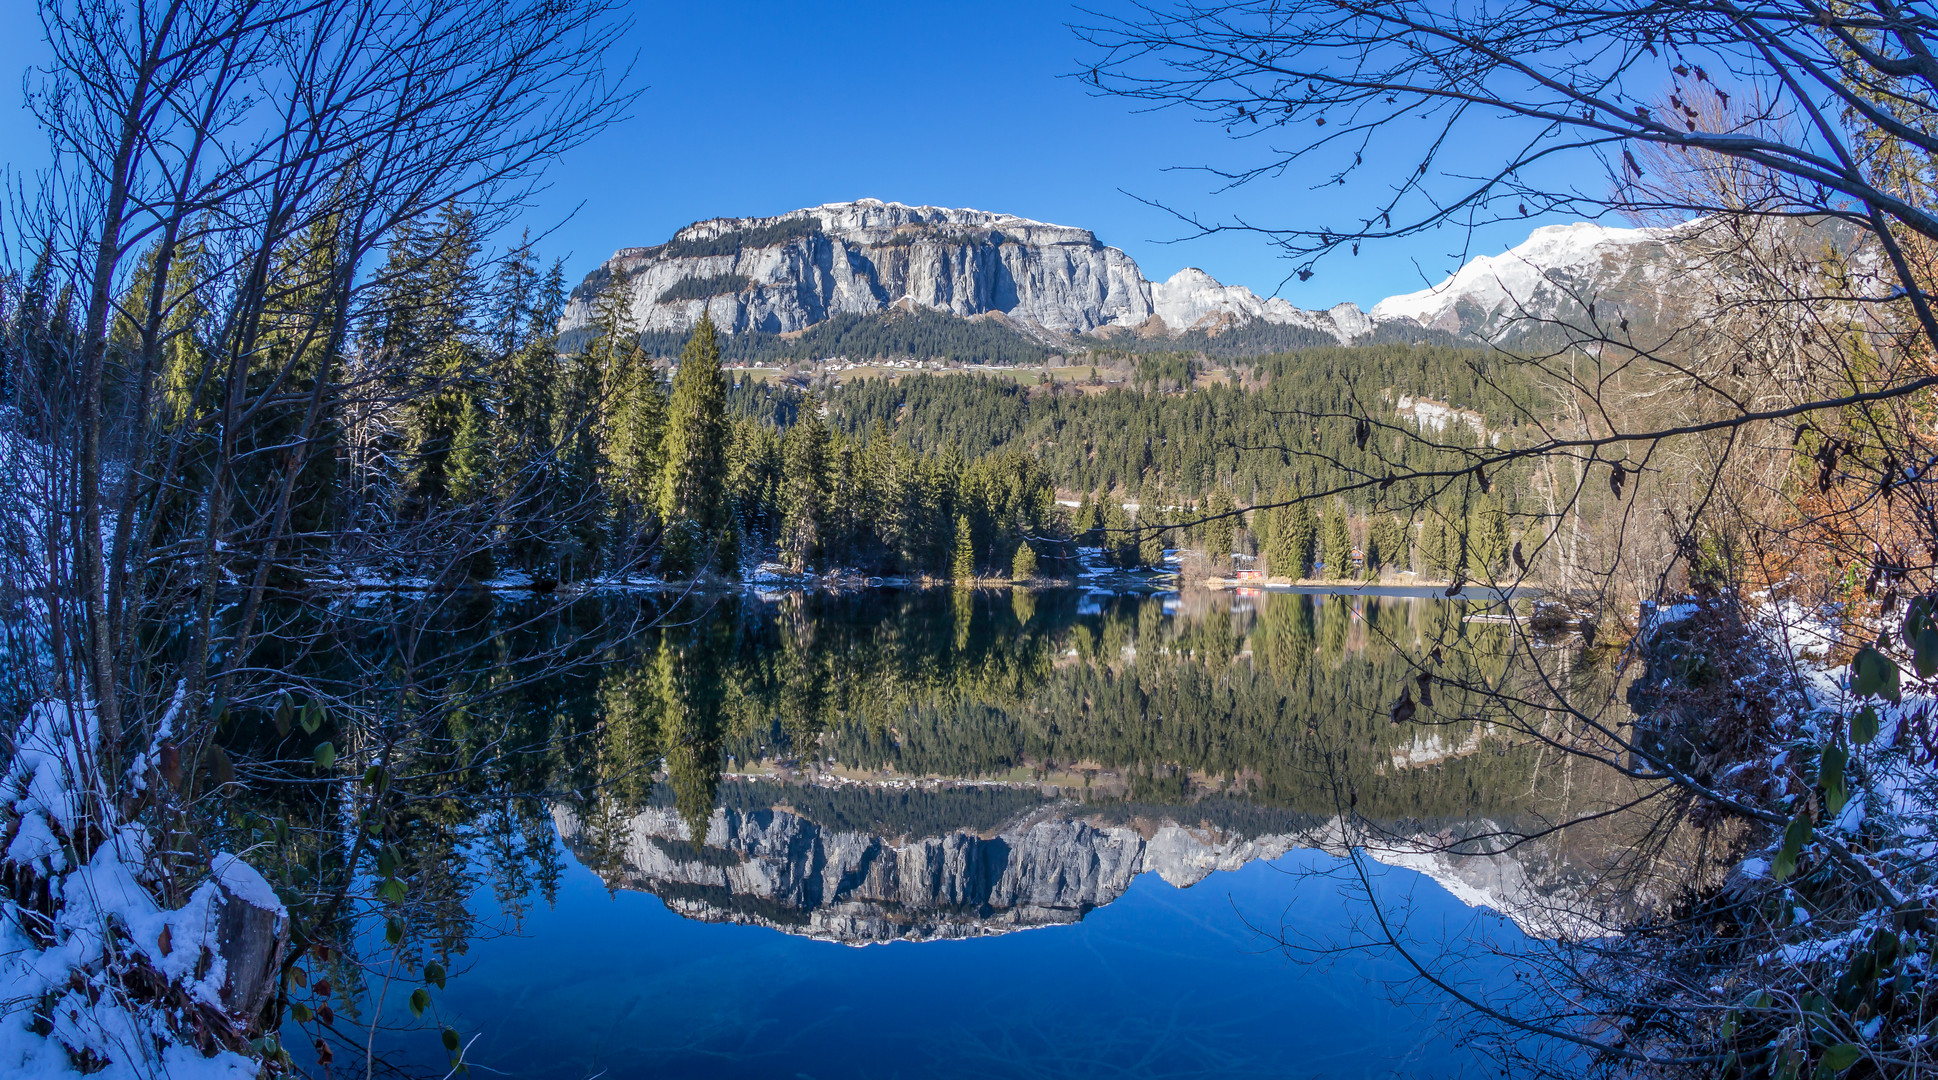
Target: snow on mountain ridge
x,y
1193,298
1514,277
786,272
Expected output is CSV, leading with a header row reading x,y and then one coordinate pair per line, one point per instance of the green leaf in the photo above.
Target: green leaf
x,y
434,974
420,999
1864,725
393,890
1830,774
1874,674
1924,652
1841,1056
393,931
450,1040
1795,836
1917,617
312,718
325,755
1730,1020
285,711
372,775
301,1012
1887,946
282,830
387,861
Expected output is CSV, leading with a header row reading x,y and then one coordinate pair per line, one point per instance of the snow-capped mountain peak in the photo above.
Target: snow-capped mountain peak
x,y
1522,277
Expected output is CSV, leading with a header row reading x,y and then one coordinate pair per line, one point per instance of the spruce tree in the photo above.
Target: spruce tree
x,y
963,566
1336,545
428,334
693,483
1220,533
1443,541
804,487
1119,547
1488,537
754,470
635,432
1289,547
1386,544
633,413
530,372
1023,567
575,508
1151,538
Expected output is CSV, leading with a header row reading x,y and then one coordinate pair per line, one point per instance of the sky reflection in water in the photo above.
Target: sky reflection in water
x,y
1162,982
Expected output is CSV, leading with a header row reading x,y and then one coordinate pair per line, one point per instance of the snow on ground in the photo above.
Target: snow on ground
x,y
64,1009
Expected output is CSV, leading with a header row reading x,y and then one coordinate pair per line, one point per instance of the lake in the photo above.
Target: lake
x,y
928,833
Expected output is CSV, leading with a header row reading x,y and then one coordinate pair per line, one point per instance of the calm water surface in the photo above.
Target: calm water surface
x,y
918,835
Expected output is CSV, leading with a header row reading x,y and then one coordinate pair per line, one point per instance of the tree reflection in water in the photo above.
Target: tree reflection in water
x,y
936,764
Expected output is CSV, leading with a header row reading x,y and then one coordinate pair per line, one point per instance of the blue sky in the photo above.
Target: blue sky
x,y
758,107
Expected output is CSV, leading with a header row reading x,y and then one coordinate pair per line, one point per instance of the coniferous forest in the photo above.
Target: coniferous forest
x,y
501,455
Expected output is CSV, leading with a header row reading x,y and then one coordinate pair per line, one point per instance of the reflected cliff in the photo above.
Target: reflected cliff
x,y
932,765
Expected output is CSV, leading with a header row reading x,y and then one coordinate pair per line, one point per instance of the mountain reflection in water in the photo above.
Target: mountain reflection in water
x,y
928,766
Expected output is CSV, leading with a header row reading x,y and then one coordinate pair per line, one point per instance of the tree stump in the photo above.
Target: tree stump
x,y
252,932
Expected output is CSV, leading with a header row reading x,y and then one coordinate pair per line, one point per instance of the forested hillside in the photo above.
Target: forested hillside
x,y
920,334
1286,426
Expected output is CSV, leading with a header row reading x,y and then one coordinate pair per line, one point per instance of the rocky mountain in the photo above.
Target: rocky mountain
x,y
1527,292
1047,865
978,282
782,275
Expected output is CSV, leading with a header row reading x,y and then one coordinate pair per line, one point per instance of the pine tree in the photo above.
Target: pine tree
x,y
962,567
693,485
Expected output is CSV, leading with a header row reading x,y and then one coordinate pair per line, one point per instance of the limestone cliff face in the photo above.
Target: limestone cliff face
x,y
786,273
775,868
